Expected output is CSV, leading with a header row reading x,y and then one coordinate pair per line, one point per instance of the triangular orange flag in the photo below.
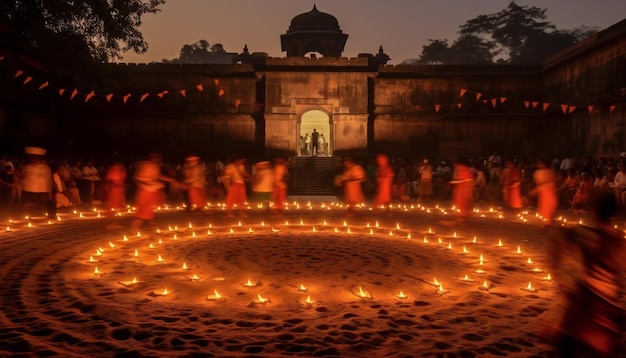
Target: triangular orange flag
x,y
463,90
61,91
200,87
237,102
459,105
478,95
161,94
437,108
535,104
526,104
183,92
28,79
485,101
545,106
494,101
43,85
590,108
571,109
74,93
109,96
144,96
221,92
564,108
612,108
91,94
18,73
126,97
217,82
503,99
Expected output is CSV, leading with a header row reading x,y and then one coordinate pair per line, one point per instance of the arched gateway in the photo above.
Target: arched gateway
x,y
311,122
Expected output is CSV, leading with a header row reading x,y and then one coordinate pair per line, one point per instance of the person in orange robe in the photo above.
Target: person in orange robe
x,y
235,178
545,191
384,180
463,181
281,176
195,178
115,179
352,177
511,185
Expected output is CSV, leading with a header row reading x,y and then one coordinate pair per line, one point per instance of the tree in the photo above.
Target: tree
x,y
203,52
515,35
78,31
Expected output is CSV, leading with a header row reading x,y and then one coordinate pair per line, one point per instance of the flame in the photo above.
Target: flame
x,y
325,223
191,227
262,223
8,229
136,253
465,250
165,292
314,229
430,230
361,293
250,230
209,232
287,222
195,277
408,236
367,225
426,240
170,228
449,246
401,295
175,227
135,280
81,215
232,231
111,244
239,223
158,231
519,250
485,285
371,232
249,284
439,240
96,271
441,288
308,300
466,278
390,233
184,266
100,249
151,246
91,259
454,234
160,259
138,234
160,241
336,230
474,240
548,278
175,237
529,287
193,234
397,226
302,288
98,253
125,238
530,261
376,224
30,224
217,294
262,299
436,282
499,243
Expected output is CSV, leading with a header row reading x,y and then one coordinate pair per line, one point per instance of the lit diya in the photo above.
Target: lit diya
x,y
215,296
250,284
529,288
194,278
163,292
466,278
261,300
401,295
130,283
485,286
302,288
361,293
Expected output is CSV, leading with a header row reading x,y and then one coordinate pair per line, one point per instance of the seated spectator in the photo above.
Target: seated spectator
x,y
569,187
582,197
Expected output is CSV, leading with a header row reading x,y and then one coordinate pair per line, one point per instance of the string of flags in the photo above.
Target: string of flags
x,y
566,108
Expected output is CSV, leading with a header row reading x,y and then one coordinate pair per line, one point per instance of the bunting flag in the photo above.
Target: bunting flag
x,y
526,104
144,96
183,92
237,103
459,105
545,106
437,108
74,93
217,82
91,94
485,101
463,90
503,99
564,108
494,101
18,73
61,91
28,79
612,108
43,85
221,92
109,96
200,87
590,108
535,104
571,109
162,93
478,95
126,97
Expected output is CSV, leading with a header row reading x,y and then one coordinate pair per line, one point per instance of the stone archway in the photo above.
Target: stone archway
x,y
319,121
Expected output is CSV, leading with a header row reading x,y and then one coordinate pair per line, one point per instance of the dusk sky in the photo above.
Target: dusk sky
x,y
402,27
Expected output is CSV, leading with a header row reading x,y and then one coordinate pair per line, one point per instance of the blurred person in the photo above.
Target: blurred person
x,y
351,178
91,181
593,321
115,185
315,137
281,177
463,182
511,181
263,183
61,195
425,180
494,163
384,181
569,187
480,182
37,185
234,178
619,185
150,184
194,174
545,191
581,200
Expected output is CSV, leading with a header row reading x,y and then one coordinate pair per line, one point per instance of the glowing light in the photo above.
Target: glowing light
x,y
439,240
262,223
397,226
160,241
548,278
390,233
189,226
249,284
158,231
408,236
530,261
195,277
435,282
301,222
454,234
325,223
376,224
193,234
214,297
308,300
361,293
125,238
426,240
401,295
151,246
467,279
96,271
485,285
519,250
371,232
262,299
449,246
231,231
209,232
474,240
250,230
184,266
302,288
160,259
336,230
91,259
529,288
465,250
499,243
30,224
138,234
8,229
136,253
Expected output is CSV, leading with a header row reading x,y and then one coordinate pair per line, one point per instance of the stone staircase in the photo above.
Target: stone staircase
x,y
313,176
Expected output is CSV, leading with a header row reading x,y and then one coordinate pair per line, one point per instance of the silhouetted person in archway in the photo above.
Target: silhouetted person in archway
x,y
315,136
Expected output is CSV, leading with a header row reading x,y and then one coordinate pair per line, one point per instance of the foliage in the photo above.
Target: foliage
x,y
203,52
78,31
515,35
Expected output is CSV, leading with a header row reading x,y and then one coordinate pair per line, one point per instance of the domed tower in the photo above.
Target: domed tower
x,y
314,31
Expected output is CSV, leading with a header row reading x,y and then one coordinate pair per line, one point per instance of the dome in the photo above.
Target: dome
x,y
314,20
